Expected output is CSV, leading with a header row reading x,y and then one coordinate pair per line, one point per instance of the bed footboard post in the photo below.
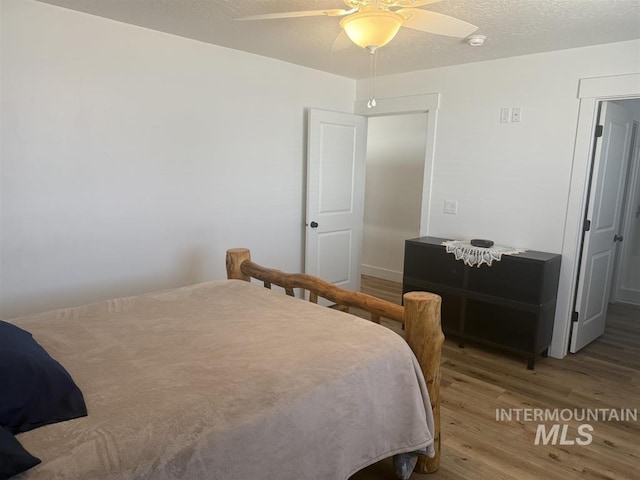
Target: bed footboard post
x,y
235,257
424,336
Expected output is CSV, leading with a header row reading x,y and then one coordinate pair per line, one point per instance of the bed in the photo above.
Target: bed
x,y
229,380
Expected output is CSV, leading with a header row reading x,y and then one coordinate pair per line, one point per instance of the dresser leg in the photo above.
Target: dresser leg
x,y
530,361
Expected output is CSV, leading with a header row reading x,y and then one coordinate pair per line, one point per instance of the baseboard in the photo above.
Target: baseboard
x,y
378,272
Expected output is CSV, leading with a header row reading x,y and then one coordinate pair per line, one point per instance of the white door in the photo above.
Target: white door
x,y
627,288
335,196
605,205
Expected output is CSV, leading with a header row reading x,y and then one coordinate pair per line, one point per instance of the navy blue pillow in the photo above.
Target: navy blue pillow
x,y
13,457
36,389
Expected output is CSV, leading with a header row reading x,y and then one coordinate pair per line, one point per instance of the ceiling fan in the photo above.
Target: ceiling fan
x,y
371,24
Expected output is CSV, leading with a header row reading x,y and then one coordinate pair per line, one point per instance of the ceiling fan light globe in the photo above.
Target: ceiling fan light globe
x,y
372,29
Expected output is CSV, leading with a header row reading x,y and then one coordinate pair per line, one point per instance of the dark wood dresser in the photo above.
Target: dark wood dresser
x,y
510,304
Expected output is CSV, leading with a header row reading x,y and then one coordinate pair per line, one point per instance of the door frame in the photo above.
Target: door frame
x,y
591,92
428,104
599,247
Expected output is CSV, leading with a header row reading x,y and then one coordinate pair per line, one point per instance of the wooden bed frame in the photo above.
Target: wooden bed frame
x,y
420,316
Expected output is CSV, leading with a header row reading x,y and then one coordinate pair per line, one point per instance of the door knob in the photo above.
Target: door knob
x,y
617,238
314,225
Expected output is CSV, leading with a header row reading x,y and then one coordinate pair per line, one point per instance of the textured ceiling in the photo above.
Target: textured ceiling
x,y
512,27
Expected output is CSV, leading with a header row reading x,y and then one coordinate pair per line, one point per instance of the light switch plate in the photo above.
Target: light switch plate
x,y
505,115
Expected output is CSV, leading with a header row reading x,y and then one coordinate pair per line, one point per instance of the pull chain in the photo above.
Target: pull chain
x,y
372,78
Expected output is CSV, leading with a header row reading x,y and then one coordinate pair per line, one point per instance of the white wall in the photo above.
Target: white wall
x,y
132,159
396,149
511,180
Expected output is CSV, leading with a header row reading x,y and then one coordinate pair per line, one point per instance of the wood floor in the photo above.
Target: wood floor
x,y
477,381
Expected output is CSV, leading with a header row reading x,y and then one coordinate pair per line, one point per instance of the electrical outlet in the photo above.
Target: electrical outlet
x,y
505,115
515,114
451,206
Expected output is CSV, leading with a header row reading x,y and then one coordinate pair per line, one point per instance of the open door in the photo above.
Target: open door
x,y
611,158
335,196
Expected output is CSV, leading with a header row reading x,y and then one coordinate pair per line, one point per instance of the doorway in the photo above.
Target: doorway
x,y
396,151
591,91
421,111
626,281
427,105
600,253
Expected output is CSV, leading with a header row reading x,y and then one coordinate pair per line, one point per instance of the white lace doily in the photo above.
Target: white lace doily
x,y
476,256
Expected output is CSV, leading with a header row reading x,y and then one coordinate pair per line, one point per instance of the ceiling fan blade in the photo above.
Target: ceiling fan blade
x,y
342,42
414,3
437,23
303,13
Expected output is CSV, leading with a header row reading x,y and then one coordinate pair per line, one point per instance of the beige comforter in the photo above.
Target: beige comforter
x,y
226,380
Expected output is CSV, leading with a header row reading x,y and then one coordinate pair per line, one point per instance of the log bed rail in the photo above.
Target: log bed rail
x,y
420,316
